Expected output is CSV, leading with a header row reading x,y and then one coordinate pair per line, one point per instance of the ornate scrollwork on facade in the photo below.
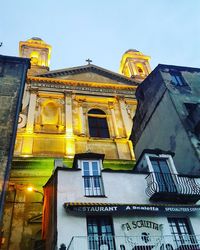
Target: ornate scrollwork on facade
x,y
22,121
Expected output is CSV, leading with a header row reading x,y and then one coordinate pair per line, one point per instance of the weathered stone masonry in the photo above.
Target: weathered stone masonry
x,y
12,80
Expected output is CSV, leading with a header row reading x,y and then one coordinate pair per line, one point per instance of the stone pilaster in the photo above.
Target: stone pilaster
x,y
31,112
69,141
111,107
127,121
148,69
27,145
68,115
82,125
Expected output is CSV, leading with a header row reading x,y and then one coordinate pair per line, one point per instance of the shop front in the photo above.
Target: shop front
x,y
131,226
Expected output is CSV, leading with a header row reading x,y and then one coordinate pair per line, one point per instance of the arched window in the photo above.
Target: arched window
x,y
140,69
35,56
97,122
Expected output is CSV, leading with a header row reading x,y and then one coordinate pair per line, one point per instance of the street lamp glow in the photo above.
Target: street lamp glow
x,y
30,189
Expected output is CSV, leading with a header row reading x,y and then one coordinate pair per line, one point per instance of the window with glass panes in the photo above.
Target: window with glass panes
x,y
177,78
100,233
97,122
181,231
93,184
163,175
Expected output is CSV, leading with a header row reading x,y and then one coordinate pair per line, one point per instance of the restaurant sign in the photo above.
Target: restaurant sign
x,y
120,208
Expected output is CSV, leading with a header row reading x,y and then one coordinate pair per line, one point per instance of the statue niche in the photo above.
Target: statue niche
x,y
49,118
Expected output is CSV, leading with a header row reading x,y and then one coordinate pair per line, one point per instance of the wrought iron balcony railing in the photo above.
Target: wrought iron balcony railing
x,y
93,186
143,242
172,187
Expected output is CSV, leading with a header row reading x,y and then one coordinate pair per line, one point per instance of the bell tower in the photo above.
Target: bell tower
x,y
135,64
39,52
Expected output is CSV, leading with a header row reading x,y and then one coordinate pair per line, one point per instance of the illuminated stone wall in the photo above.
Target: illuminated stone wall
x,y
56,122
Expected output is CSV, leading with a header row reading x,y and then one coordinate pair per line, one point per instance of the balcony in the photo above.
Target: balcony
x,y
172,187
144,242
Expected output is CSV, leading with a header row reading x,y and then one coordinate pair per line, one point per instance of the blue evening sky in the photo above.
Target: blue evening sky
x,y
167,30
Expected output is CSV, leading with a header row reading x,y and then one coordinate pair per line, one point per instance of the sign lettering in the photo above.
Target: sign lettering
x,y
129,208
140,224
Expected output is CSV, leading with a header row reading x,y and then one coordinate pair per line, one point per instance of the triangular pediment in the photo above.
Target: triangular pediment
x,y
90,73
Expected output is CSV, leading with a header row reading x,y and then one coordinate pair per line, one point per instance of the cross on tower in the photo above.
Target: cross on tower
x,y
88,60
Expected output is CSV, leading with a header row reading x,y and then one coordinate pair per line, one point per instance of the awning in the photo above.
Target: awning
x,y
102,208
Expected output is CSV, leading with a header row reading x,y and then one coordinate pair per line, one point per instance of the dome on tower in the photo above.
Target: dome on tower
x,y
36,40
131,50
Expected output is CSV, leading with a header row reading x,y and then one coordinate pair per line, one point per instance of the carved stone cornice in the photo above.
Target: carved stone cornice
x,y
68,94
111,105
78,83
96,91
32,90
120,98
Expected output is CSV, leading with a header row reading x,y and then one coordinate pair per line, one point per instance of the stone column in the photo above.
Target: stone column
x,y
59,116
127,121
31,112
27,144
134,67
148,69
82,125
111,107
68,115
69,140
130,67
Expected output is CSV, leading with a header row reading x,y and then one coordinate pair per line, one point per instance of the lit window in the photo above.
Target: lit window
x,y
93,184
140,70
182,233
97,122
177,78
34,57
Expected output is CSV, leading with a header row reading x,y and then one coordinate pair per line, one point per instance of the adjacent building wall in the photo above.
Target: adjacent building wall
x,y
165,130
162,119
12,80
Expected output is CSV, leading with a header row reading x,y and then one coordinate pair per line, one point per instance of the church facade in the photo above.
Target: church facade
x,y
84,109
